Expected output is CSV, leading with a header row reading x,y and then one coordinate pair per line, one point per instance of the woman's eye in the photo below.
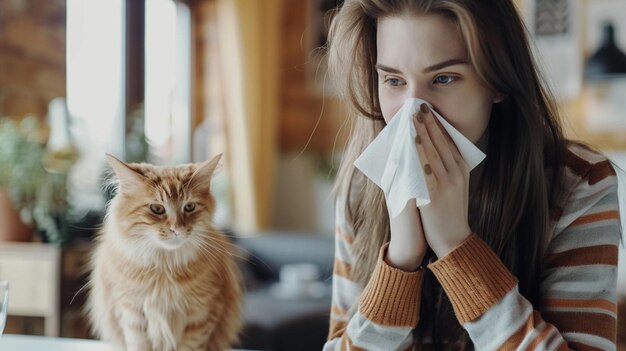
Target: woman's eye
x,y
157,209
445,80
394,82
190,207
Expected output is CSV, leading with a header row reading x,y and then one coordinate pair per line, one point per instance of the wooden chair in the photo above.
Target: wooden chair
x,y
33,272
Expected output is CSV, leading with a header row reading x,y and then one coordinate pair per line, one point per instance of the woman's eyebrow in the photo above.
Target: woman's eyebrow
x,y
445,64
387,69
429,69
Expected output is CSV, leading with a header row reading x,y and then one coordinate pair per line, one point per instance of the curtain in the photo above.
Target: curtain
x,y
249,41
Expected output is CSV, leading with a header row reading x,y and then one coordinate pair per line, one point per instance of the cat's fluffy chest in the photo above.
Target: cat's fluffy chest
x,y
167,298
158,288
163,288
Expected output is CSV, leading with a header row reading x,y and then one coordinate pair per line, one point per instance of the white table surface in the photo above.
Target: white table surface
x,y
11,342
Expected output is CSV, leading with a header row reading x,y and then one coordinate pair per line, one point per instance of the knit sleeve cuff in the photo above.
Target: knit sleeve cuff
x,y
392,296
473,277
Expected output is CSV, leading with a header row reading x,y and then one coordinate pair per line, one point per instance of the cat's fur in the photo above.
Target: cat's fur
x,y
169,281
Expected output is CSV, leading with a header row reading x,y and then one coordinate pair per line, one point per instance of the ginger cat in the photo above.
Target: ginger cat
x,y
162,276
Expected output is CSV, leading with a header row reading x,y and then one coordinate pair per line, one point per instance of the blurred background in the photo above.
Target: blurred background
x,y
177,81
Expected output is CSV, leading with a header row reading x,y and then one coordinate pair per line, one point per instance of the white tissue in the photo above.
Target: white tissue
x,y
391,160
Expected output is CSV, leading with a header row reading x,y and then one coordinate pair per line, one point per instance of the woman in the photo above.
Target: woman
x,y
519,253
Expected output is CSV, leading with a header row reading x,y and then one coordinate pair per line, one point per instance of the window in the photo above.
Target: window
x,y
95,91
168,81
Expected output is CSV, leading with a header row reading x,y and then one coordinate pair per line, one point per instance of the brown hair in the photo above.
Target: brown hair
x,y
525,149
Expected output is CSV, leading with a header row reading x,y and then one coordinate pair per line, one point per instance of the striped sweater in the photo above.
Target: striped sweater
x,y
578,287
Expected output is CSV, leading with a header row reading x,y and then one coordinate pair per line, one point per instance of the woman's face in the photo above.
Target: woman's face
x,y
425,57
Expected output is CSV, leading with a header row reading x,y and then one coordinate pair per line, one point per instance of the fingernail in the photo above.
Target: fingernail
x,y
419,117
427,169
418,139
424,108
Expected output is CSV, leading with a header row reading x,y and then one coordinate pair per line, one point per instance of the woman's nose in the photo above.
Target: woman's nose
x,y
418,91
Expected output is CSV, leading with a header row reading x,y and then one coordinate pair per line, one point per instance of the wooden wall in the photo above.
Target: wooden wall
x,y
302,102
32,56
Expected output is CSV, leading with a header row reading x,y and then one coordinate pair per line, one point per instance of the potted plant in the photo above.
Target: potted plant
x,y
36,194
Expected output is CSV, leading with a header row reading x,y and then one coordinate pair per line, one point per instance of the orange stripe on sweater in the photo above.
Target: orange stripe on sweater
x,y
342,269
596,217
515,339
566,303
600,171
543,335
337,328
584,256
598,324
345,237
577,164
593,173
337,311
347,345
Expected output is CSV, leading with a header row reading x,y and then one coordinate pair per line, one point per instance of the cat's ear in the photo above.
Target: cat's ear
x,y
126,176
206,169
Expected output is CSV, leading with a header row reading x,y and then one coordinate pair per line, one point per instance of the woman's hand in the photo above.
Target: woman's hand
x,y
444,219
408,245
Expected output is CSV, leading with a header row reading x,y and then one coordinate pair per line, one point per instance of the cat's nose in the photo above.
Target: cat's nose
x,y
175,231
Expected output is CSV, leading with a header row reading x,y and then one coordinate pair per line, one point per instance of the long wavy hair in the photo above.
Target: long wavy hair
x,y
520,182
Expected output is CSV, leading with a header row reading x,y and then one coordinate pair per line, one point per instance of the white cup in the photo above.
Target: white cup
x,y
4,303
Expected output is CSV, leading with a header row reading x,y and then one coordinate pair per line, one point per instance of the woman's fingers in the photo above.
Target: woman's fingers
x,y
455,151
439,141
431,181
434,163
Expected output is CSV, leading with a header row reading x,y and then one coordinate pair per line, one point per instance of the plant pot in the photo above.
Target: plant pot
x,y
11,226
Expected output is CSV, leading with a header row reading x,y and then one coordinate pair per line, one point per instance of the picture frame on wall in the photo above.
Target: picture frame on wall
x,y
564,35
555,29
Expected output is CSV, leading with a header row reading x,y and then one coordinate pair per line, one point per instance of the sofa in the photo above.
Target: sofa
x,y
277,321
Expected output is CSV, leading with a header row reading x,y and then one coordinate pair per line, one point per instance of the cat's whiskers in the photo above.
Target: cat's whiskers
x,y
248,256
78,292
212,239
211,256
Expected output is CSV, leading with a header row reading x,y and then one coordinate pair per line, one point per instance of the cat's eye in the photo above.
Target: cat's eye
x,y
190,206
157,209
